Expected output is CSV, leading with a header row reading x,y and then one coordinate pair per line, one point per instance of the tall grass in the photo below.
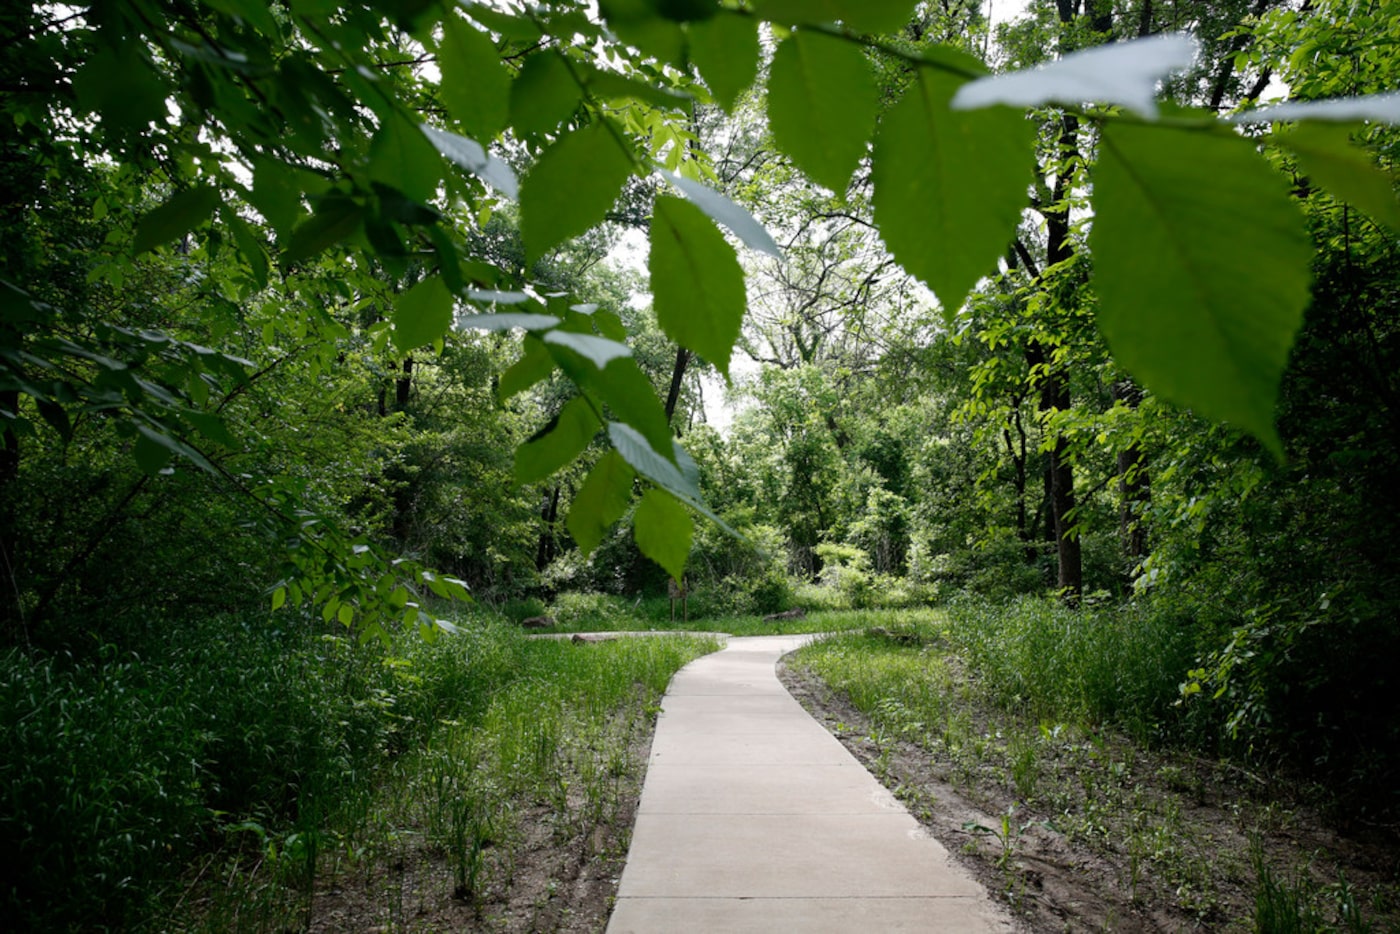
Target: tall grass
x,y
1119,664
274,748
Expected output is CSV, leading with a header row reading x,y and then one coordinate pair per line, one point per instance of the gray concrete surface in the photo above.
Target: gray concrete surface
x,y
755,819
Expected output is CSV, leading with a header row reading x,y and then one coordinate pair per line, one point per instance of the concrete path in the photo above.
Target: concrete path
x,y
754,818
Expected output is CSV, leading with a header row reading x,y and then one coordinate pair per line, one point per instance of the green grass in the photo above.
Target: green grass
x,y
606,613
259,757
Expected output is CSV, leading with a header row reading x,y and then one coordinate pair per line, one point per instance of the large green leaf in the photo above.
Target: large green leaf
x,y
950,186
622,387
277,194
337,218
534,365
475,86
1201,268
1124,73
544,94
401,157
821,105
697,285
860,15
175,217
601,501
558,443
600,351
122,86
1325,152
422,314
663,531
469,155
572,186
643,457
723,211
725,50
643,25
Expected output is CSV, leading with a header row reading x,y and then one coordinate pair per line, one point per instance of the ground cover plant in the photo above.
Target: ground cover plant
x,y
219,781
1046,745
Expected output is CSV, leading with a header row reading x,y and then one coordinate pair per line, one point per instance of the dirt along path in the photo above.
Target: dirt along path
x,y
754,818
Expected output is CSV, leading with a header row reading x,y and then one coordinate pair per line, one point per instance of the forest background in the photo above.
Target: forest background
x,y
315,335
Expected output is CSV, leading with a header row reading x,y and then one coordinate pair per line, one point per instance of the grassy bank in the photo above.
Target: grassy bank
x,y
213,776
1050,744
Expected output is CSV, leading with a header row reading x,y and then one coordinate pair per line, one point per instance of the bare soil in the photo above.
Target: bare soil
x,y
552,873
1094,833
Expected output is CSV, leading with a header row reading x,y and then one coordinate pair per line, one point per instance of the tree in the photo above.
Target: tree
x,y
311,155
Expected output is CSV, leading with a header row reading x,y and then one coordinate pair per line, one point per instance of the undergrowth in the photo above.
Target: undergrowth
x,y
259,756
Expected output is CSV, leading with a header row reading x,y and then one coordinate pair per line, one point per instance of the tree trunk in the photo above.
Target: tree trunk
x,y
403,386
1054,396
1134,487
12,630
677,375
548,547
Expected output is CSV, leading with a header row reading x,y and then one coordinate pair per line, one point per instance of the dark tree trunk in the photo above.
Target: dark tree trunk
x,y
403,386
548,547
11,616
1059,482
1134,487
677,376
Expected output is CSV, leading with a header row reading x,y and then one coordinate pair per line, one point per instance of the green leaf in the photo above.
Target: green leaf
x,y
475,86
279,597
337,218
821,105
469,155
875,16
248,247
122,85
507,321
696,282
643,25
176,217
572,186
401,157
600,502
725,50
534,365
600,351
720,209
637,451
663,531
1123,73
558,443
1201,266
520,28
544,94
151,455
422,314
152,462
276,194
623,388
1349,172
950,185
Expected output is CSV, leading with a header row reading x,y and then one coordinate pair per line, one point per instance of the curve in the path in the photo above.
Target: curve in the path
x,y
754,818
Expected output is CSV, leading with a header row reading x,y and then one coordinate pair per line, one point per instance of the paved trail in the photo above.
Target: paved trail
x,y
755,819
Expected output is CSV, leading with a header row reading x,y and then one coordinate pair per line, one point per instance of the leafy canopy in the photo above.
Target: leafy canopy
x,y
329,159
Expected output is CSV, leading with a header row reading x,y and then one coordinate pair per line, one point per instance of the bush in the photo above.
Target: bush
x,y
591,609
100,786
